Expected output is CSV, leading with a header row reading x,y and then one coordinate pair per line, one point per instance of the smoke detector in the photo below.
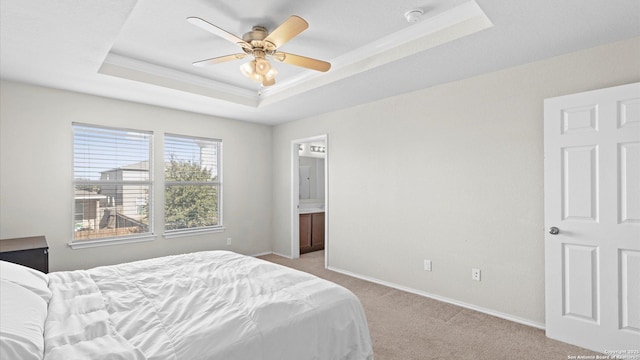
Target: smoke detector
x,y
413,15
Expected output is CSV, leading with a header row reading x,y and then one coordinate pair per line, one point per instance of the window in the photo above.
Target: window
x,y
112,184
192,195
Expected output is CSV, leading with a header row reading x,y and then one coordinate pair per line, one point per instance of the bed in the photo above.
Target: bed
x,y
204,305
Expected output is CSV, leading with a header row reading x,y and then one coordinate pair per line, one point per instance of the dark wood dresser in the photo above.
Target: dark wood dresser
x,y
28,251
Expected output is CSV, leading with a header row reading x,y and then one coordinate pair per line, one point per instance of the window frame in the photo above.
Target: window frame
x,y
149,183
219,227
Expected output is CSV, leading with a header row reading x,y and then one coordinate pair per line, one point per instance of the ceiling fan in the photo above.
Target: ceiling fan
x,y
262,45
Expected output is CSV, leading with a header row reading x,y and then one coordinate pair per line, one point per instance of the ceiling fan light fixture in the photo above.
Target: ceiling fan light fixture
x,y
271,74
262,66
260,70
249,70
268,82
269,78
280,56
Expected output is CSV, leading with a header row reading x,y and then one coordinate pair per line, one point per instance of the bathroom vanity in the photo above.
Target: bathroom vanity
x,y
311,231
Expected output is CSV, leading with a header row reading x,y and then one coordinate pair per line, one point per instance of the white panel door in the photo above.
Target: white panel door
x,y
592,218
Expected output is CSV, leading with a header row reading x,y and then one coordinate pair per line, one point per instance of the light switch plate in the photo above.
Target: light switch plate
x,y
427,265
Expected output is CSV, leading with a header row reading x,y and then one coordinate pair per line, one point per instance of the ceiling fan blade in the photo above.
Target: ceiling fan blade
x,y
220,59
205,25
291,27
303,61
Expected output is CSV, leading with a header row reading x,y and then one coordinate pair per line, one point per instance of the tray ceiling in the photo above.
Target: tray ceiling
x,y
143,50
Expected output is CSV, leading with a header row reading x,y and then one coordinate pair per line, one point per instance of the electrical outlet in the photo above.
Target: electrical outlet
x,y
427,265
475,274
228,241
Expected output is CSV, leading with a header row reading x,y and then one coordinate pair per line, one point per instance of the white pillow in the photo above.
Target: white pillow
x,y
22,317
31,279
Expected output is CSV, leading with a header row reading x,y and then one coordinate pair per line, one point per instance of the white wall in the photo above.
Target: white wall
x,y
458,180
452,173
36,188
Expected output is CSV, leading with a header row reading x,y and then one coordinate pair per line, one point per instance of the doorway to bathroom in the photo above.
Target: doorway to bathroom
x,y
309,195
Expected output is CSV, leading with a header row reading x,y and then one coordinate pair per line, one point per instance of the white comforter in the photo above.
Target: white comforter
x,y
207,305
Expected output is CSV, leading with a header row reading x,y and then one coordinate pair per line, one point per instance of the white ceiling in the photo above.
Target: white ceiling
x,y
142,50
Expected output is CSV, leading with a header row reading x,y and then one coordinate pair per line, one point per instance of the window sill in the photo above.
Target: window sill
x,y
187,232
75,245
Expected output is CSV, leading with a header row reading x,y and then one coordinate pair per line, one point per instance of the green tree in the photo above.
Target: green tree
x,y
192,203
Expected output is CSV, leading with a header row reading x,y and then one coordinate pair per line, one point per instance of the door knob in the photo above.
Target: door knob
x,y
554,230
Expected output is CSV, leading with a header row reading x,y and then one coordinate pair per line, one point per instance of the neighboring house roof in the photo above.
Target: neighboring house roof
x,y
139,166
88,195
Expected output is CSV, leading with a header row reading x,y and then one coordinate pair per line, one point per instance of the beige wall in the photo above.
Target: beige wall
x,y
36,189
452,173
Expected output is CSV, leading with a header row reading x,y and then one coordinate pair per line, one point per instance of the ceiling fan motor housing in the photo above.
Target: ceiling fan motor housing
x,y
256,33
256,37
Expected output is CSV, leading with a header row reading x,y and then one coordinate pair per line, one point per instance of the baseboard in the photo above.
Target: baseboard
x,y
443,299
284,256
262,254
272,252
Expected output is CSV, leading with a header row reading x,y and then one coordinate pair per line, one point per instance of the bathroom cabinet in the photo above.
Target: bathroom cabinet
x,y
311,232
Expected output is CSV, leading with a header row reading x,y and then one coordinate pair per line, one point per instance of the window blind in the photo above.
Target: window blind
x,y
192,183
112,171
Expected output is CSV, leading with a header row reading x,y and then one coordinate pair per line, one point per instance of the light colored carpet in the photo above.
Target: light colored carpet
x,y
405,326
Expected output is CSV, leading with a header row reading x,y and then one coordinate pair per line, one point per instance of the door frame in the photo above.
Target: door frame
x,y
295,196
